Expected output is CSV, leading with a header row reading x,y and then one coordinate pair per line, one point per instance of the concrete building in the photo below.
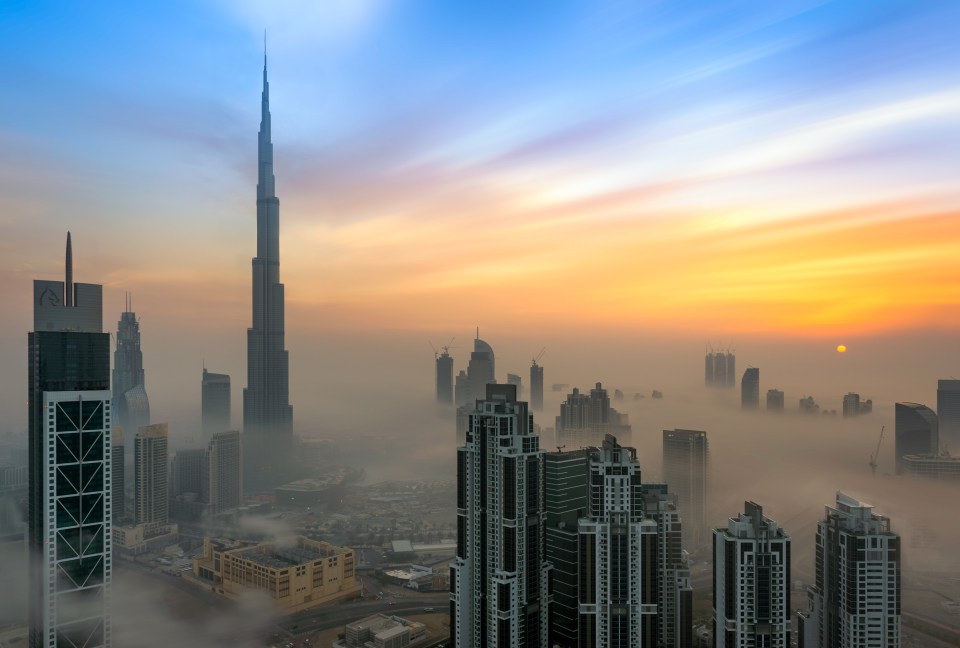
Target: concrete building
x,y
189,490
948,414
382,631
481,370
808,405
750,389
855,602
516,381
916,432
937,467
444,377
224,463
297,573
851,404
131,406
774,400
70,471
136,539
585,420
214,402
461,390
751,582
719,369
150,475
686,458
536,386
498,580
267,413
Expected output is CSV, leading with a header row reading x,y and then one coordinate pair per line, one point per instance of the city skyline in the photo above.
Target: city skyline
x,y
379,206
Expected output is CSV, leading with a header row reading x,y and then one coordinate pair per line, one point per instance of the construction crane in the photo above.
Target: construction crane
x,y
536,358
876,453
445,349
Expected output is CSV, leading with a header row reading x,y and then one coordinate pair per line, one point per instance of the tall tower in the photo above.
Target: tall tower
x,y
267,414
855,601
445,378
69,493
751,582
536,386
750,389
685,469
498,580
224,464
481,370
948,414
917,432
215,402
151,495
131,407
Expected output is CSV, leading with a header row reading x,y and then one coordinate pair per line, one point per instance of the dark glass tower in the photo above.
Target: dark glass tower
x,y
267,414
70,455
131,408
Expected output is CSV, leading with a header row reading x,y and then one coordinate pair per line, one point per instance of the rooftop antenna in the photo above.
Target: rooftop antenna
x,y
478,332
68,287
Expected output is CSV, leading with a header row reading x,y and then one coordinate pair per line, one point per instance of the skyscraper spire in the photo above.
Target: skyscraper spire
x,y
68,287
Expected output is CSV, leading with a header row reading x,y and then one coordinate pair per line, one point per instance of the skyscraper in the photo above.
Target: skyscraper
x,y
719,369
536,386
585,420
215,402
498,580
751,582
916,432
618,554
685,464
750,389
117,468
774,400
855,602
131,407
948,414
481,370
851,404
224,463
267,413
445,377
150,474
70,456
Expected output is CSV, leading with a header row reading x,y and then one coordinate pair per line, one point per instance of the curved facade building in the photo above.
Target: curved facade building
x,y
917,432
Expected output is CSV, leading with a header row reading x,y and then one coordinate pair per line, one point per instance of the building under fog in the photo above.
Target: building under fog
x,y
70,456
942,467
685,469
131,407
774,400
948,414
117,477
536,386
916,432
498,580
150,475
215,402
720,369
750,389
855,601
751,582
444,369
586,419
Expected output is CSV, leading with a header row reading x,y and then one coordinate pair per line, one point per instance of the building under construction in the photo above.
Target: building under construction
x,y
720,368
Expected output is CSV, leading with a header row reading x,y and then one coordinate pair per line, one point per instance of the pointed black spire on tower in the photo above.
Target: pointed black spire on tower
x,y
68,287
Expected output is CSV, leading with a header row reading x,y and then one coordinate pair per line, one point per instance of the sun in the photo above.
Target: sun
x,y
841,349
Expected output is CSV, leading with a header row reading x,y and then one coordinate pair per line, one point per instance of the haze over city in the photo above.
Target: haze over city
x,y
612,189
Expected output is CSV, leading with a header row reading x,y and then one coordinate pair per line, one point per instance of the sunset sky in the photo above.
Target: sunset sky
x,y
705,169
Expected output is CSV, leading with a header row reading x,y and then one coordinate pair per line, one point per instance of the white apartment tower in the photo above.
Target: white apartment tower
x,y
498,581
618,551
751,582
855,601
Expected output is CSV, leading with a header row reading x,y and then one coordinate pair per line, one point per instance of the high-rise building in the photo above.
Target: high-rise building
x,y
808,405
224,462
536,386
750,389
851,404
498,580
916,432
267,413
685,469
131,407
618,554
719,369
481,370
445,377
70,457
461,391
517,381
585,420
774,400
150,474
215,402
118,469
948,414
730,361
188,471
855,601
751,582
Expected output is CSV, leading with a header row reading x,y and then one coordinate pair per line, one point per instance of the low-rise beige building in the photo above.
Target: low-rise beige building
x,y
296,572
382,631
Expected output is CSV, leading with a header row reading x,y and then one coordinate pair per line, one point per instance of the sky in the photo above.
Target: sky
x,y
681,173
